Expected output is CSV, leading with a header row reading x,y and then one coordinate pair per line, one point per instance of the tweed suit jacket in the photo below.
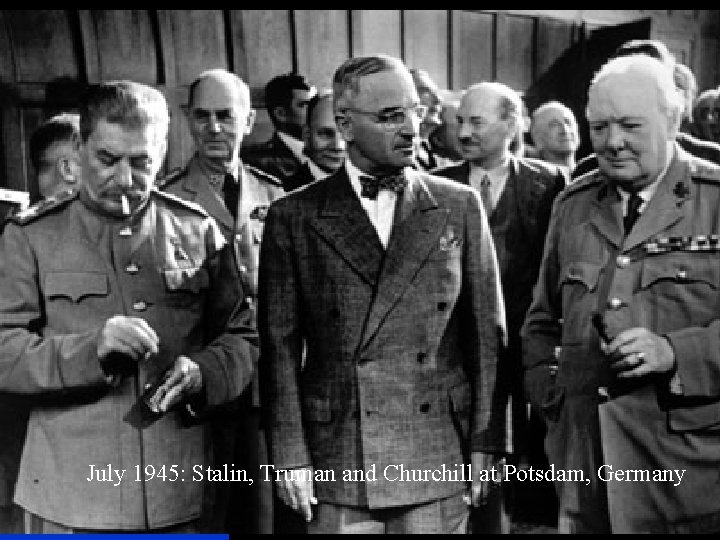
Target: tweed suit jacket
x,y
401,345
518,224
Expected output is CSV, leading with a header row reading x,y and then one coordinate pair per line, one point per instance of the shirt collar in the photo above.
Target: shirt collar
x,y
295,146
498,173
354,174
648,192
317,172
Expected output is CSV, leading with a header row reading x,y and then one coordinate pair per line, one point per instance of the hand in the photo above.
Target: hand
x,y
183,379
481,489
637,352
131,336
295,489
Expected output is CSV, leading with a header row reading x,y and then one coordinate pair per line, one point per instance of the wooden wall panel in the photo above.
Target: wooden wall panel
x,y
376,31
515,40
198,42
472,48
322,43
7,66
122,35
426,42
42,43
707,67
553,37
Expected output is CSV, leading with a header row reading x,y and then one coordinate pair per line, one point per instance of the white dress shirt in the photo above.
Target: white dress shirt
x,y
381,211
498,178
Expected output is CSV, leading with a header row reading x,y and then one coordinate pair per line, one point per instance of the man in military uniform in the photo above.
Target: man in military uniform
x,y
237,196
627,301
121,313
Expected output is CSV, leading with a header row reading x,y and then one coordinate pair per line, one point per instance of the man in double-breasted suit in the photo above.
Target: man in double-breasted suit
x,y
380,314
518,194
236,196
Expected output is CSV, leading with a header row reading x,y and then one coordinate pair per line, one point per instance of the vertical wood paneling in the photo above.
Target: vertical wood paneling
x,y
13,145
123,35
708,66
7,65
322,43
552,39
514,48
472,53
426,43
376,31
199,42
262,44
43,45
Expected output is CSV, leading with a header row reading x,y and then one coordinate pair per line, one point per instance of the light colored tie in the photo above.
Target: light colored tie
x,y
486,195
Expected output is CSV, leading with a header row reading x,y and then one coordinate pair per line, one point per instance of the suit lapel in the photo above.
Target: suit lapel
x,y
343,223
415,233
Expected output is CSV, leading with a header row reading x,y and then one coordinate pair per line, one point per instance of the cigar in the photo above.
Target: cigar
x,y
125,205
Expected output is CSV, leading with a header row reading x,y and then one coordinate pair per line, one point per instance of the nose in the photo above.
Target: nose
x,y
338,143
615,139
411,126
123,174
463,131
213,124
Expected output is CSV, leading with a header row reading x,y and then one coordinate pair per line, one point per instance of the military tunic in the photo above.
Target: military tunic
x,y
65,270
664,276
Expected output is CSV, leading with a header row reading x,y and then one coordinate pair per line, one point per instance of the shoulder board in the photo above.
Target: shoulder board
x,y
263,175
701,169
174,199
44,207
170,177
584,182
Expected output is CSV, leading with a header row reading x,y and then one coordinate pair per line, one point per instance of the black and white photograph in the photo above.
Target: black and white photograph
x,y
359,271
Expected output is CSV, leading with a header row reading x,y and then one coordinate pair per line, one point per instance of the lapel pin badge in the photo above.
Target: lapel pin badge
x,y
681,190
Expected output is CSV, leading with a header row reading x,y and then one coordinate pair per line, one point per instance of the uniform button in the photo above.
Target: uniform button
x,y
148,386
132,268
623,261
682,274
242,268
125,231
615,303
238,237
139,306
425,407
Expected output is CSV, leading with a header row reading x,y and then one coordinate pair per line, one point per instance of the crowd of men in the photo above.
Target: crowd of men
x,y
372,321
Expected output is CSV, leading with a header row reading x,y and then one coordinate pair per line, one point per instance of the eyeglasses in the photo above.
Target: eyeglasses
x,y
394,118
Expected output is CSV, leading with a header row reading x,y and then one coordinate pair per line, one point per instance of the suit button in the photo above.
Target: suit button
x,y
623,261
425,407
442,306
132,268
615,303
139,306
421,357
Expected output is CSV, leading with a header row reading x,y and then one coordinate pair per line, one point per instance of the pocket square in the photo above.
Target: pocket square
x,y
449,241
259,213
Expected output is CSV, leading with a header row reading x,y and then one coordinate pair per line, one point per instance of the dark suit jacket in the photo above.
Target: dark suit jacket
x,y
272,156
518,224
302,177
401,345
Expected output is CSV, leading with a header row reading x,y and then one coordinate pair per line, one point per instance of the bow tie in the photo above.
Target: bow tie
x,y
371,186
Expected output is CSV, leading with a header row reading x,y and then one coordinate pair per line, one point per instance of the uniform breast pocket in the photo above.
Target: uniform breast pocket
x,y
185,287
75,286
578,287
680,289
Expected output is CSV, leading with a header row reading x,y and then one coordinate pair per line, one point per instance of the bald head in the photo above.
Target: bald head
x,y
430,97
219,116
706,115
554,131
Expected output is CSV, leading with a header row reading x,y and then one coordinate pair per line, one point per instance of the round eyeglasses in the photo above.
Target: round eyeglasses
x,y
391,119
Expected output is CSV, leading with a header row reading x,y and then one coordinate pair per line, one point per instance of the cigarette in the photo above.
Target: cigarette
x,y
125,205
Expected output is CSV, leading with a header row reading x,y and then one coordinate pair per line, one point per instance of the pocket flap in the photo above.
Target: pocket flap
x,y
75,285
186,279
582,272
681,269
317,409
700,417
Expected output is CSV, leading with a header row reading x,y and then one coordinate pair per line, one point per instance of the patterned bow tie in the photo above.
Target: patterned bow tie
x,y
372,186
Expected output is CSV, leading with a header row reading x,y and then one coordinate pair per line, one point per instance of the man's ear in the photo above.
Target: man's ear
x,y
68,170
306,135
249,121
280,114
344,125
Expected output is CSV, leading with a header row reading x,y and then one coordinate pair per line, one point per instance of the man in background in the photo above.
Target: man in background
x,y
219,115
517,194
324,145
555,135
54,155
443,140
706,115
430,98
286,99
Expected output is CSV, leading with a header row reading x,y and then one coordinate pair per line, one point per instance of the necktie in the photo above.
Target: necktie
x,y
230,194
633,212
371,186
486,195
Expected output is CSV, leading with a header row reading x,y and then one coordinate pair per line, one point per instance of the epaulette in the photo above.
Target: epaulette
x,y
170,177
263,175
43,207
701,169
582,183
169,197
